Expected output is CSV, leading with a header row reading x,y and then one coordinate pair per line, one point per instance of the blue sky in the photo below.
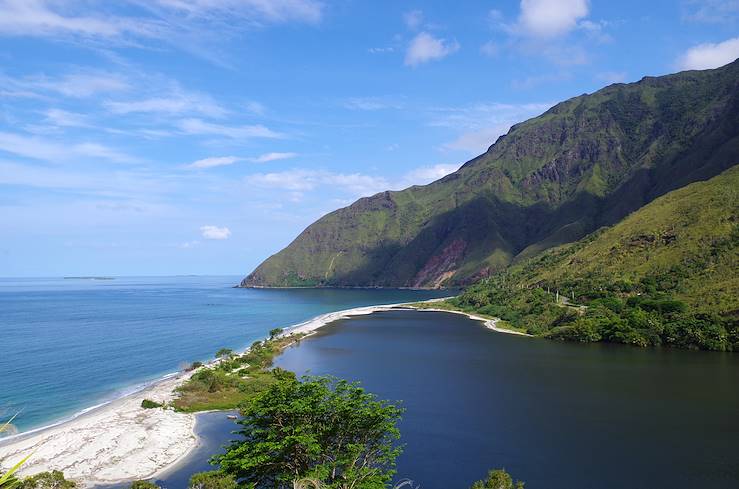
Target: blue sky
x,y
149,137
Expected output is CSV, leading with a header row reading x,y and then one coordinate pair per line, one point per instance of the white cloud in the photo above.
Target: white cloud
x,y
63,118
706,56
76,85
413,19
36,18
428,174
179,102
477,142
550,18
425,47
199,127
45,150
298,181
275,11
168,19
267,157
215,232
214,161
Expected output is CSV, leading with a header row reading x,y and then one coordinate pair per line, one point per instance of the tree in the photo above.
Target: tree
x,y
212,480
48,480
224,352
498,479
316,428
144,485
275,332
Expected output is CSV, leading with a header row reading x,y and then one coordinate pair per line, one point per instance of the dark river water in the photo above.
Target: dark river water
x,y
555,415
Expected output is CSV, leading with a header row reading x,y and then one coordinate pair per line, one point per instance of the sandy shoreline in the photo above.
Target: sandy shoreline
x,y
114,443
120,441
488,323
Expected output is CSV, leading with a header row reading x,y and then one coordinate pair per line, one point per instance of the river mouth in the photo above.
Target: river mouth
x,y
555,415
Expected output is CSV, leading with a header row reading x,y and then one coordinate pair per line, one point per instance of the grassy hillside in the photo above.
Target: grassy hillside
x,y
584,164
666,274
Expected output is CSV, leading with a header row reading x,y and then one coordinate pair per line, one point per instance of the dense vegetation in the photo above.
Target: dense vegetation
x,y
316,428
666,275
584,164
234,378
498,479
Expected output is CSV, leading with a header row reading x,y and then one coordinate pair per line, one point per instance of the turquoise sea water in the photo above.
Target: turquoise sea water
x,y
69,344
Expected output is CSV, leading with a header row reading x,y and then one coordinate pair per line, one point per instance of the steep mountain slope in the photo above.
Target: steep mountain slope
x,y
666,274
585,163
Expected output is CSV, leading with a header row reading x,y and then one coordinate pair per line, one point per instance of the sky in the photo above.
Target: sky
x,y
164,137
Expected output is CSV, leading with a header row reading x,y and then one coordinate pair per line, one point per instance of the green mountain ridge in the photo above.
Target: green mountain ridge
x,y
586,163
666,274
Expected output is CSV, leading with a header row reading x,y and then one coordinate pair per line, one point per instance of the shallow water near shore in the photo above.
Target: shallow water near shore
x,y
556,415
69,344
215,431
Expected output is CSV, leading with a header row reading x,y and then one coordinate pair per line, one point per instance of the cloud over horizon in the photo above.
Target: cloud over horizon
x,y
710,55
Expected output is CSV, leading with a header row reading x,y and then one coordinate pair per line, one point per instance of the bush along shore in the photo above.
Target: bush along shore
x,y
641,314
233,378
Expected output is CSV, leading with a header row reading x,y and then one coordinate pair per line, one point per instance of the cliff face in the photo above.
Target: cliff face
x,y
585,163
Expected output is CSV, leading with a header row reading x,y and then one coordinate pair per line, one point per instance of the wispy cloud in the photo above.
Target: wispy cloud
x,y
80,84
706,56
45,150
267,157
200,127
299,180
427,174
425,47
481,124
65,118
215,161
261,11
178,102
195,26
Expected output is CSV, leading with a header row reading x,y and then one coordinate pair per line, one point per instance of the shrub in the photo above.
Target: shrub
x,y
275,332
212,480
195,365
48,480
498,479
224,352
144,485
149,404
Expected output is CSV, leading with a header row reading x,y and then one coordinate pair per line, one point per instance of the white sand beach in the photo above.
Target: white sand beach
x,y
489,323
116,442
121,441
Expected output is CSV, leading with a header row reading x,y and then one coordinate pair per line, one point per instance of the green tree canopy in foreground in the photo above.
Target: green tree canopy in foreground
x,y
317,428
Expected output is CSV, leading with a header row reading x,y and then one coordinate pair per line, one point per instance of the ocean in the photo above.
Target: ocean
x,y
69,344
